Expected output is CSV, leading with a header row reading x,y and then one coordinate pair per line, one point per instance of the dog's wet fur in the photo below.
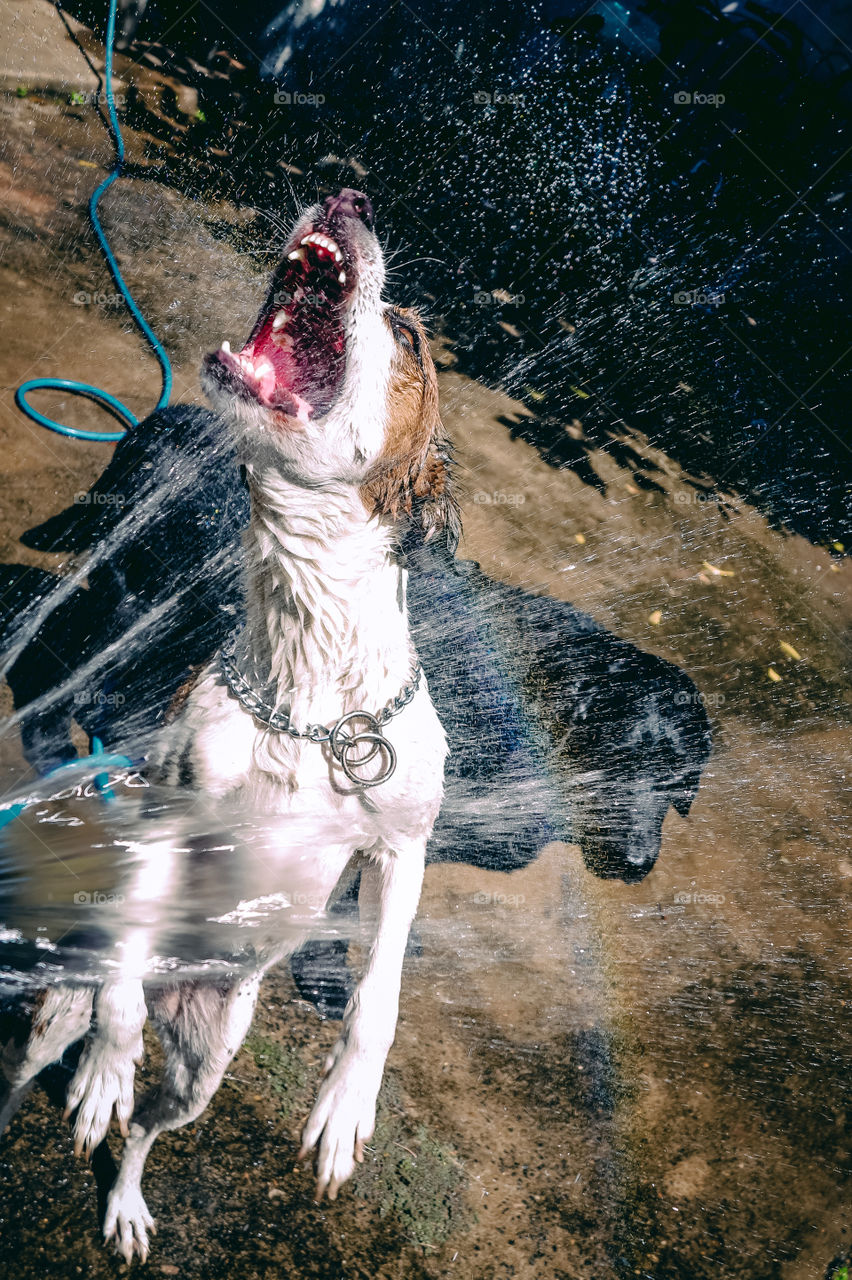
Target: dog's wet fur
x,y
539,701
557,728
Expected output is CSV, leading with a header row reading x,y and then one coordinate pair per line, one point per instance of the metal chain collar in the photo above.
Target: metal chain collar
x,y
343,743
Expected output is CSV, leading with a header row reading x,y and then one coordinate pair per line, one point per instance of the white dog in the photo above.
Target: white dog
x,y
317,714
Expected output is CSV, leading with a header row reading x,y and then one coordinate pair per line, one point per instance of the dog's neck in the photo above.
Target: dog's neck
x,y
326,616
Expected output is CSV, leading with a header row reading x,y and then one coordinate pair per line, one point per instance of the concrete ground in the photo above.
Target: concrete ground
x,y
589,1079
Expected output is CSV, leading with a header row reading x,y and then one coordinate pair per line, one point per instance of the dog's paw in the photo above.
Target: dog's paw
x,y
343,1118
127,1223
102,1082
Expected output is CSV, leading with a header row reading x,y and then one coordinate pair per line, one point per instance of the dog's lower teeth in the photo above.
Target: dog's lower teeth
x,y
341,279
279,321
226,347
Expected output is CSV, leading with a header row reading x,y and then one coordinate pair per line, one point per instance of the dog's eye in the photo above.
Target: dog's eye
x,y
406,336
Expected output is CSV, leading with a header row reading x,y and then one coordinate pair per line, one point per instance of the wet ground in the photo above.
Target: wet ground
x,y
589,1079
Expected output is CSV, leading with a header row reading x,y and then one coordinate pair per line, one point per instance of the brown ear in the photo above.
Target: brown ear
x,y
414,472
436,508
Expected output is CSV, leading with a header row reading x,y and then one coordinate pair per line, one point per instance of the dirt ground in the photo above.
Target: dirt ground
x,y
589,1079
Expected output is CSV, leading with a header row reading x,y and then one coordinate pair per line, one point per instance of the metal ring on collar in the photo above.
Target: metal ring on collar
x,y
343,744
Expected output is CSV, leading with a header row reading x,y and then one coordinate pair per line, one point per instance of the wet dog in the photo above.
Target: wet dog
x,y
558,728
321,707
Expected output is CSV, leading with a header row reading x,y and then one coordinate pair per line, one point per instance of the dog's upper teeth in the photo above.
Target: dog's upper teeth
x,y
226,347
279,321
296,254
325,242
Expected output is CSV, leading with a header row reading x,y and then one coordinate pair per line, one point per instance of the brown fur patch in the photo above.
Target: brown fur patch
x,y
415,463
181,695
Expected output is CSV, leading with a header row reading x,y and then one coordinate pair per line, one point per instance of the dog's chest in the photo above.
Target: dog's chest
x,y
217,748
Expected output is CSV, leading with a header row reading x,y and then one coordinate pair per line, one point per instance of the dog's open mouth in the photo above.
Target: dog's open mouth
x,y
294,360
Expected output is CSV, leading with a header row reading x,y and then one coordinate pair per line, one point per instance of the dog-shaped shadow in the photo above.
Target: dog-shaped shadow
x,y
558,729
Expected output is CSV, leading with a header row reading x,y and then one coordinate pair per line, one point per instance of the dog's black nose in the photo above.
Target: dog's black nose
x,y
350,204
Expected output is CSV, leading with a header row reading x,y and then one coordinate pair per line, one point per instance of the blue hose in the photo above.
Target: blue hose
x,y
83,388
98,756
99,759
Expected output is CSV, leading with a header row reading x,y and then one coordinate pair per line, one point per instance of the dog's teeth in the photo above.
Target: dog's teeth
x,y
226,347
263,367
338,256
279,321
297,254
341,279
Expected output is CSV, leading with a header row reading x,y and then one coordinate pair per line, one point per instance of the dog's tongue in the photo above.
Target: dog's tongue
x,y
263,366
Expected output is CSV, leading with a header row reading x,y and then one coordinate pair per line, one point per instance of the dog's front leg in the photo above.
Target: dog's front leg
x,y
105,1074
344,1115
